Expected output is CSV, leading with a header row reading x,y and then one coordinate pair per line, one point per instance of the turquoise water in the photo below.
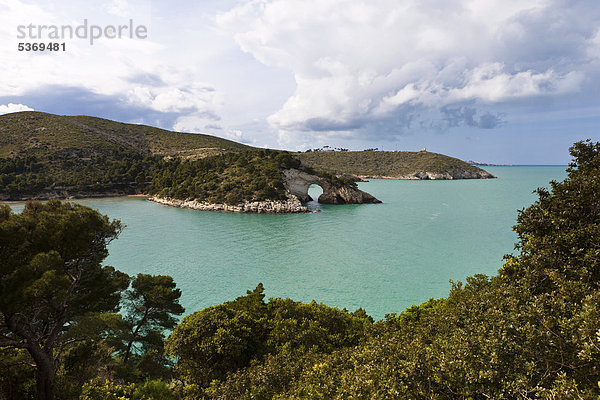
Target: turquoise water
x,y
382,257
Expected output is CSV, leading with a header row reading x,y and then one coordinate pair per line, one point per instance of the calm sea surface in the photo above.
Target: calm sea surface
x,y
382,257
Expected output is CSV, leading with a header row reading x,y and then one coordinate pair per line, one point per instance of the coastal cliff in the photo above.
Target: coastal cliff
x,y
297,183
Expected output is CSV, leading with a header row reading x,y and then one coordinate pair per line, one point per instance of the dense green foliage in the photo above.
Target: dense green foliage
x,y
51,279
73,174
384,163
227,178
47,155
531,332
58,304
238,335
150,307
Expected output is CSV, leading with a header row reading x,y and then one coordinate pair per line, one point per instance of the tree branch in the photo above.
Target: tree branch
x,y
12,343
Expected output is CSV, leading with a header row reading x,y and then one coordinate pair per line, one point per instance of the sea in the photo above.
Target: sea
x,y
379,257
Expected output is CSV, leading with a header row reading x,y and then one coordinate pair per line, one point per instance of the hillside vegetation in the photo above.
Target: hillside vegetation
x,y
45,156
42,135
393,164
229,178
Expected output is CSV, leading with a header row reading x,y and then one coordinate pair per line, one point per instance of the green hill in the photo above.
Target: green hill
x,y
393,164
42,135
45,156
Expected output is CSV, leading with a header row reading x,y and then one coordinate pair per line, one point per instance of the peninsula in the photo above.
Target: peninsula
x,y
44,156
373,164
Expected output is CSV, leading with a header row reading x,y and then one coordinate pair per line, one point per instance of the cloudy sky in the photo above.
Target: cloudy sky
x,y
502,81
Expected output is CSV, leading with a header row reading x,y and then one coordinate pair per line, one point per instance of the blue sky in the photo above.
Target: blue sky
x,y
502,81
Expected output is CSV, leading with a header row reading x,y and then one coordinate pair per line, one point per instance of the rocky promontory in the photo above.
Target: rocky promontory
x,y
290,206
297,183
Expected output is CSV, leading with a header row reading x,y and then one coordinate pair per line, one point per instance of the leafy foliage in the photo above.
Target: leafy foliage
x,y
150,308
58,304
228,178
51,278
109,390
223,339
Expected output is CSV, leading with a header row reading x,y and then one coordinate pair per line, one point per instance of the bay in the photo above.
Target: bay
x,y
381,257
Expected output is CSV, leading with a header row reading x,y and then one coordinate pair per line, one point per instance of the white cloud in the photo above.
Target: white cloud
x,y
100,68
491,83
175,97
111,67
197,123
121,8
357,63
12,108
315,70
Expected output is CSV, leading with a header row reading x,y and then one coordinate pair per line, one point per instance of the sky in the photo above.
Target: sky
x,y
497,81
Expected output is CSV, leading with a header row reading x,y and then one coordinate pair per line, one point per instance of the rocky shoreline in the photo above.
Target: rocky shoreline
x,y
290,206
424,175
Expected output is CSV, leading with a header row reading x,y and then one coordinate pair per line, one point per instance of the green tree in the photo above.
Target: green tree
x,y
210,343
229,341
51,278
150,306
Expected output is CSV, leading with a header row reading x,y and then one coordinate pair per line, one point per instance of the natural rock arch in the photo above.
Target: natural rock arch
x,y
297,183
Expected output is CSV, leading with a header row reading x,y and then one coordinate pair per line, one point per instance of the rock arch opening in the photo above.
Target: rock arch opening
x,y
314,192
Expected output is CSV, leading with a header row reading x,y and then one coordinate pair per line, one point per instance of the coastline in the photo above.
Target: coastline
x,y
111,196
425,176
290,206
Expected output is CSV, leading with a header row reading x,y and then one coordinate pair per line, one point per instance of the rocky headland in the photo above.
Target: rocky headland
x,y
45,156
419,165
297,183
426,175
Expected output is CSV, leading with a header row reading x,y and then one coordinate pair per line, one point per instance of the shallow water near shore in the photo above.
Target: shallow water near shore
x,y
381,257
